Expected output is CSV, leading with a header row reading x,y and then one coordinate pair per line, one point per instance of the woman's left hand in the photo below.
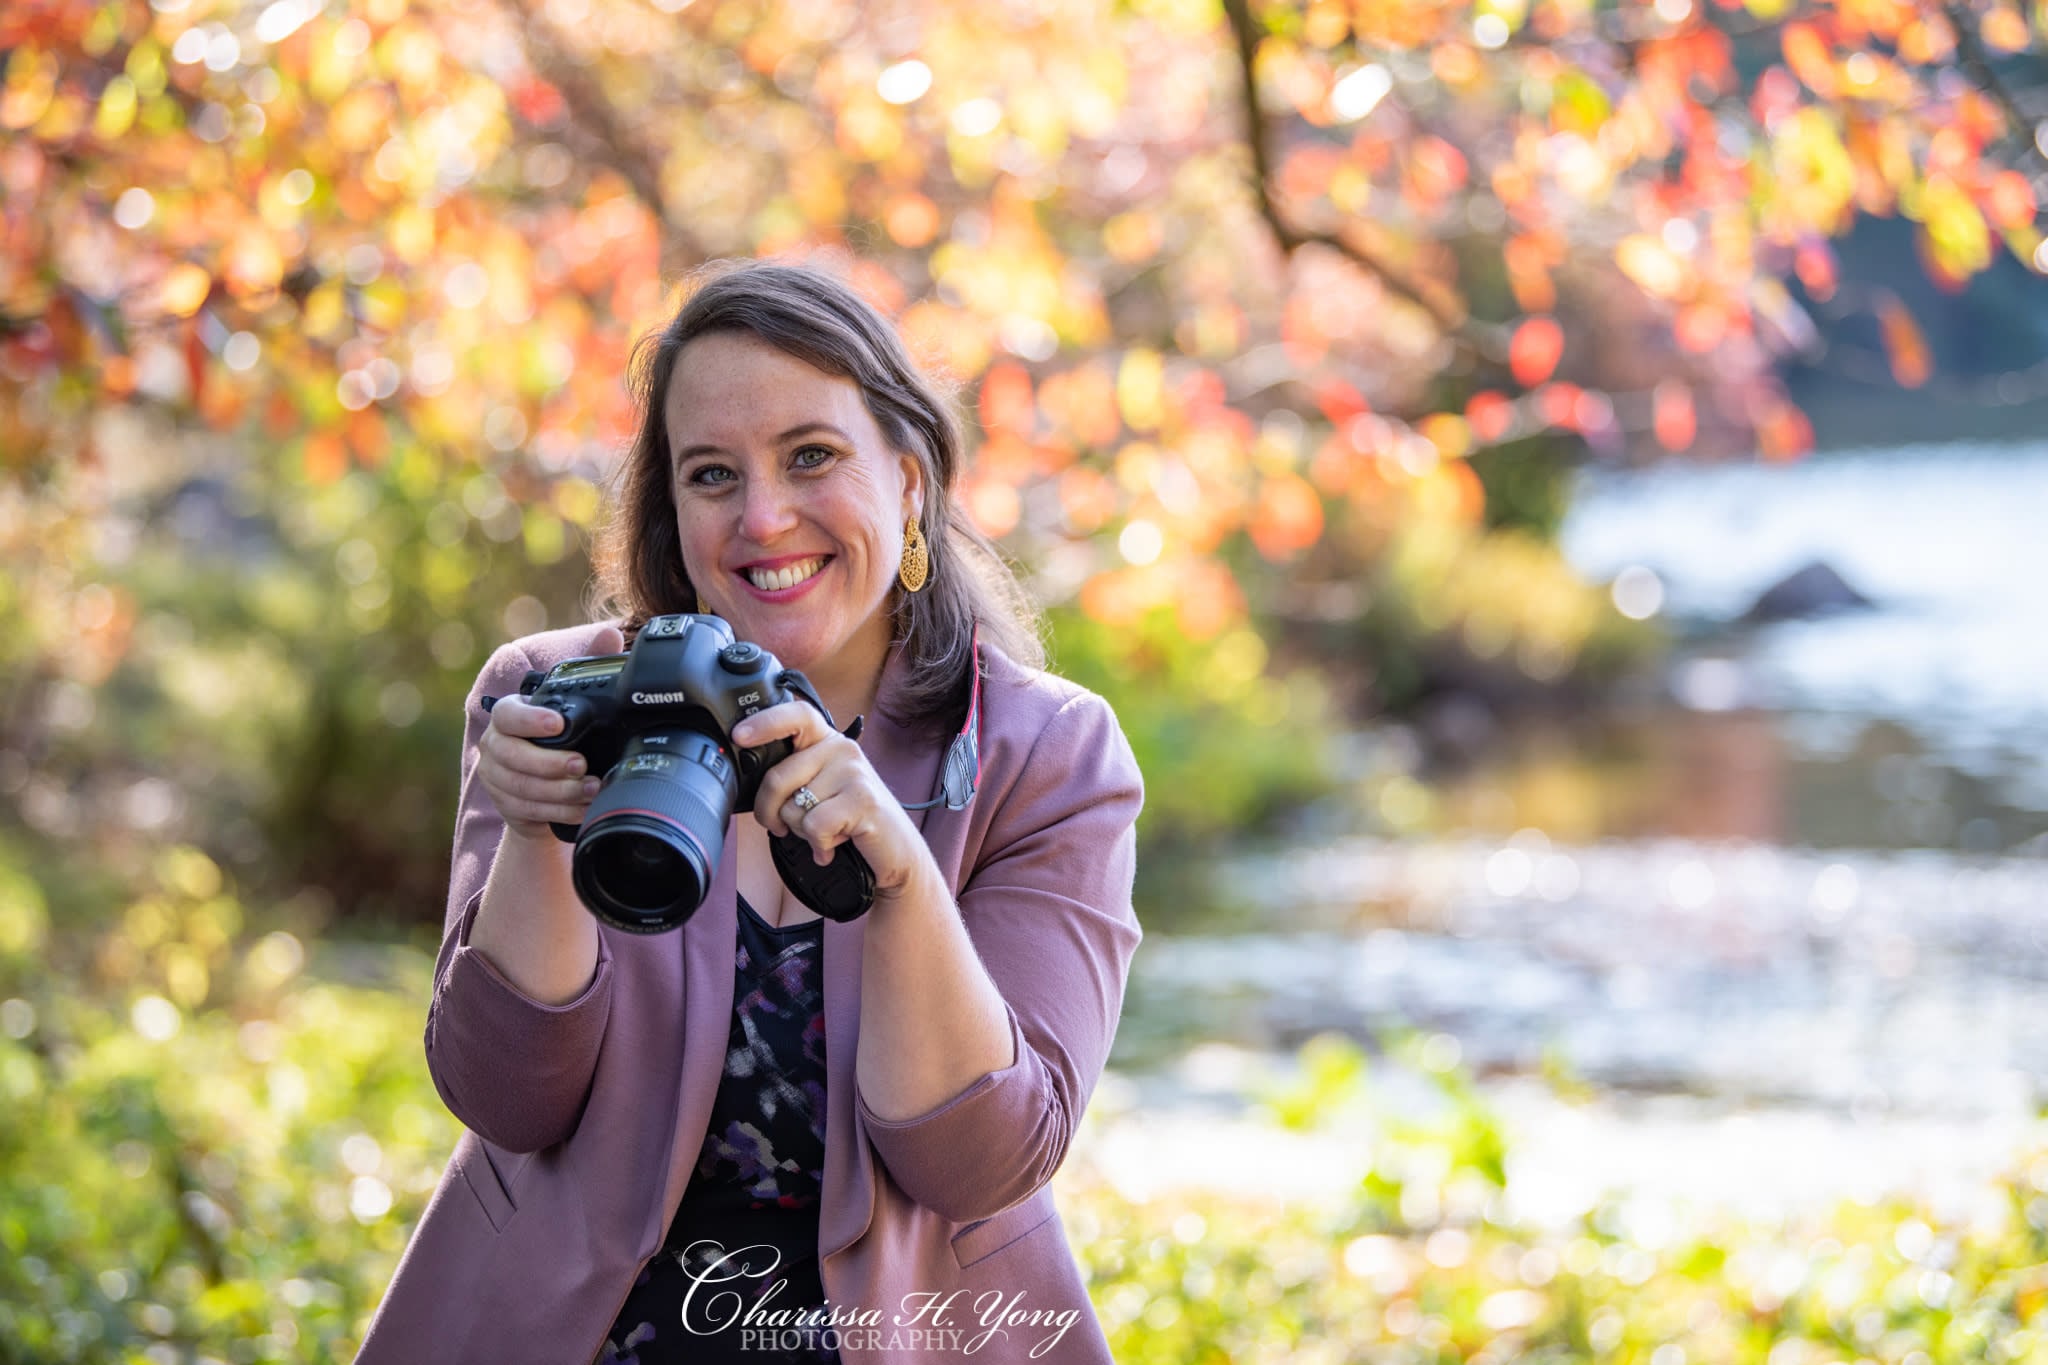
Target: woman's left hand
x,y
853,804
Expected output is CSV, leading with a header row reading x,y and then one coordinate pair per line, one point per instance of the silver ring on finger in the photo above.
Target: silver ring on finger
x,y
804,799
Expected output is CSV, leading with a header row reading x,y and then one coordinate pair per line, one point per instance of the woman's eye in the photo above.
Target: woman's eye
x,y
708,474
810,457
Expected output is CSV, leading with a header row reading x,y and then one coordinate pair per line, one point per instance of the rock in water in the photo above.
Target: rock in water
x,y
1815,590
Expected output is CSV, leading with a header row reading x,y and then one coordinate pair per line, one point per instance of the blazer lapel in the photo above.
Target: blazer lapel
x,y
910,768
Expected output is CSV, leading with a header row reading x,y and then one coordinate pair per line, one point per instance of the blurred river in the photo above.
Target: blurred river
x,y
1784,914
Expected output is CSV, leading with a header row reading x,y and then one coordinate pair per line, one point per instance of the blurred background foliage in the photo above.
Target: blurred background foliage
x,y
1281,330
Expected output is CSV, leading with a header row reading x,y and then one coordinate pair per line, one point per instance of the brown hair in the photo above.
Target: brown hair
x,y
819,320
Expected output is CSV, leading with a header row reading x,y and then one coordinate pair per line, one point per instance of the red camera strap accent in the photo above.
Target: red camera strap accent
x,y
970,733
960,768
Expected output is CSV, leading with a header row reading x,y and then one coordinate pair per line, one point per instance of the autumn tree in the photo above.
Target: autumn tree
x,y
1257,308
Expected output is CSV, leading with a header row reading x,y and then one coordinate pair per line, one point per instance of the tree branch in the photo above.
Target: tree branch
x,y
1470,340
614,143
1976,64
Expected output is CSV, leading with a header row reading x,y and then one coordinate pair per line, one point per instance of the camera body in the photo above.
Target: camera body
x,y
656,722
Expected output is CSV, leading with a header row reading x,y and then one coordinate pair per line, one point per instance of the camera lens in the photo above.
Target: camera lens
x,y
650,842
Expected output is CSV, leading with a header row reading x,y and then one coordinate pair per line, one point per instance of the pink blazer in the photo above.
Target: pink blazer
x,y
938,1235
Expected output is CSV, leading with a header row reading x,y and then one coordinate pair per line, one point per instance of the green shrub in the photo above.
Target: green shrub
x,y
214,1139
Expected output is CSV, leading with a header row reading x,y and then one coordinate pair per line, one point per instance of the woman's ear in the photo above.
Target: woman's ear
x,y
913,486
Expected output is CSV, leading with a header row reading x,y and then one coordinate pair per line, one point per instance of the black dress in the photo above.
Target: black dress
x,y
757,1180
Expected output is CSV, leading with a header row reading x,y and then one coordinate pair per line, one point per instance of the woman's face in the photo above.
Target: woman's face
x,y
789,502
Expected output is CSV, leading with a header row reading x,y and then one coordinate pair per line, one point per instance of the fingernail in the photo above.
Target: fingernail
x,y
576,766
591,786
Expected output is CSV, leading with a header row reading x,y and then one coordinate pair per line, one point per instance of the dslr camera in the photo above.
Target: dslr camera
x,y
656,722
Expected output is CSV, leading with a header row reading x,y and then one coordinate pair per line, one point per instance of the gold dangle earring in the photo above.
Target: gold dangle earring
x,y
917,558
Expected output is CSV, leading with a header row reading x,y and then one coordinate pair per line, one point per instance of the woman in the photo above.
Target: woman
x,y
678,1144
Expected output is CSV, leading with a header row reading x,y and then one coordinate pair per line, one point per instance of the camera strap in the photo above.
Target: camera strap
x,y
960,774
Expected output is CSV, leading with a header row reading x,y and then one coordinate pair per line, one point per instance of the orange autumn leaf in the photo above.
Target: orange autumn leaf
x,y
1307,171
1006,403
993,506
1529,275
1673,419
184,289
1335,466
2004,30
1904,344
326,458
1701,327
1120,597
1436,169
912,220
1448,432
369,436
1784,433
2009,201
1807,53
1207,598
1087,497
1469,505
1287,518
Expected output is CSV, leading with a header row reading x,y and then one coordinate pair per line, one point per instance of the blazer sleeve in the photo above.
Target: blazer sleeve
x,y
514,1070
1049,911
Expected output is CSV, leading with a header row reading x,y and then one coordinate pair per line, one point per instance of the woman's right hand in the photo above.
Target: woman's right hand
x,y
533,786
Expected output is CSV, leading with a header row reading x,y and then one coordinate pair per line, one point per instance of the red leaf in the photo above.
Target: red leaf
x,y
1340,401
1814,263
1533,354
195,362
1558,405
539,103
1490,414
1673,419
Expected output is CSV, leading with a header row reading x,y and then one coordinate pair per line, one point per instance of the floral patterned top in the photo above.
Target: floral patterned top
x,y
757,1181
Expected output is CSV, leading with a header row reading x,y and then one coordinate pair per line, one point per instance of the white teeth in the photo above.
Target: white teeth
x,y
788,576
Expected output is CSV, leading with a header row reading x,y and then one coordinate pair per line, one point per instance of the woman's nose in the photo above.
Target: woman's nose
x,y
769,511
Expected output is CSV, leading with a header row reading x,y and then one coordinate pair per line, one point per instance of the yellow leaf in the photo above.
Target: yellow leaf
x,y
117,109
184,290
1448,432
31,81
252,266
1140,389
412,233
1816,180
1956,234
1651,264
325,309
578,501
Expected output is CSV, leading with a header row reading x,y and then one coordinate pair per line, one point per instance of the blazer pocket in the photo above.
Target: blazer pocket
x,y
490,1179
983,1238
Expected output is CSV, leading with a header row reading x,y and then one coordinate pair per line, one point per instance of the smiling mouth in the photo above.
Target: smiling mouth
x,y
788,576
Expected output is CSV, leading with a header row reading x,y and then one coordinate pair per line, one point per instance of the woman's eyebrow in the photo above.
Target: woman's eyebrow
x,y
800,429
